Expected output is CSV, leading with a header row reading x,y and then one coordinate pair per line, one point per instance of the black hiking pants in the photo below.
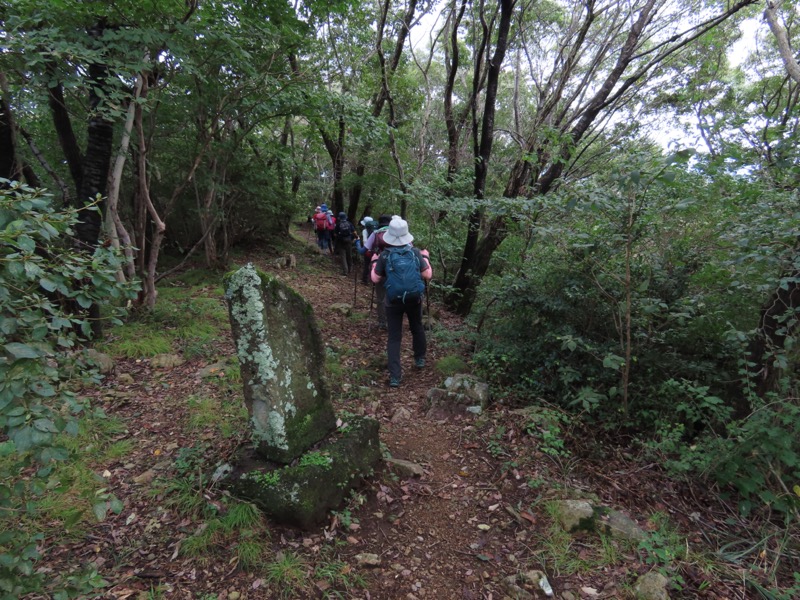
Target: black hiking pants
x,y
394,322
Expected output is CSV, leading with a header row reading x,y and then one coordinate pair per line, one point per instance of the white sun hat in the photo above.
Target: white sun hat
x,y
397,233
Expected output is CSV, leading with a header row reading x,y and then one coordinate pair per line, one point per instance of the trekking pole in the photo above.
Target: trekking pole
x,y
428,303
369,314
354,263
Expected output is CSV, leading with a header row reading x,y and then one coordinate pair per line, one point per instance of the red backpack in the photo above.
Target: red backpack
x,y
320,221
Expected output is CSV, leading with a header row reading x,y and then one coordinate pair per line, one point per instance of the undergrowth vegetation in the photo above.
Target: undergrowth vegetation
x,y
634,312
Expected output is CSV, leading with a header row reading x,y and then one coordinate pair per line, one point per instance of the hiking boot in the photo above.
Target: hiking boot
x,y
394,382
419,363
382,326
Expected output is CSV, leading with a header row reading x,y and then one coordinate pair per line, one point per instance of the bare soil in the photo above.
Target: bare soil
x,y
476,516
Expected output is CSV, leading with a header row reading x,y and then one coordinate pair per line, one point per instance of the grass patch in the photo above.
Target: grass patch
x,y
228,417
339,575
203,411
186,318
242,530
137,340
450,365
288,573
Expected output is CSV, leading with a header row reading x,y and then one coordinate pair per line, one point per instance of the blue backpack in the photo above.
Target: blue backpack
x,y
403,279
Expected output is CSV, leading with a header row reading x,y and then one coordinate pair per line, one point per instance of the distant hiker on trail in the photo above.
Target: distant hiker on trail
x,y
402,268
344,233
369,225
321,227
331,226
376,245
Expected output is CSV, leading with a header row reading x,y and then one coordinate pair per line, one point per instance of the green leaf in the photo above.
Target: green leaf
x,y
19,350
26,244
83,300
48,284
22,438
100,510
612,361
116,505
45,425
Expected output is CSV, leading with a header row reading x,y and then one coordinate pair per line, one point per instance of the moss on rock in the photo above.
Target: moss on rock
x,y
303,493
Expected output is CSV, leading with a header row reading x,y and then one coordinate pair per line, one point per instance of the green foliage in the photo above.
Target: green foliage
x,y
266,478
546,426
320,459
47,289
339,575
693,304
760,457
663,546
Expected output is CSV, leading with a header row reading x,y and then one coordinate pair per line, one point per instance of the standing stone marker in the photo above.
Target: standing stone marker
x,y
282,362
301,465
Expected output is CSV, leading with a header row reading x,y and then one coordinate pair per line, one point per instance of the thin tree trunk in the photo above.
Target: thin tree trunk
x,y
149,292
626,366
207,217
116,229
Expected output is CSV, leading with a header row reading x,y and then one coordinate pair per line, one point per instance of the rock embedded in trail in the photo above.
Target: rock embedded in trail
x,y
462,393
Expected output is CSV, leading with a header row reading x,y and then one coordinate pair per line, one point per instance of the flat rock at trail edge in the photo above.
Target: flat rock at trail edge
x,y
125,379
405,468
368,560
216,369
401,414
166,361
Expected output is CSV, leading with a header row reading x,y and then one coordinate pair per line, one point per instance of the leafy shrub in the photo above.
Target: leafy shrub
x,y
47,288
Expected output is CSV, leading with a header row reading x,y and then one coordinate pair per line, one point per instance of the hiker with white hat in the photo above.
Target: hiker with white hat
x,y
403,271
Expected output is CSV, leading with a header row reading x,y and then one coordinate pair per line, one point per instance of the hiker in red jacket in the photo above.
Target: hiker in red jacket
x,y
321,227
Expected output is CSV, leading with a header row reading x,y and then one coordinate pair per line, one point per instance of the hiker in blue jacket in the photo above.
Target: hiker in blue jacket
x,y
402,269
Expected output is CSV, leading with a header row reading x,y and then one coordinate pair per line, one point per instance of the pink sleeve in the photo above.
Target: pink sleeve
x,y
373,275
427,274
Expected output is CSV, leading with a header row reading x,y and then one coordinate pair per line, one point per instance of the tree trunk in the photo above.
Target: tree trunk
x,y
336,152
96,164
66,136
9,165
469,275
382,95
118,234
208,218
